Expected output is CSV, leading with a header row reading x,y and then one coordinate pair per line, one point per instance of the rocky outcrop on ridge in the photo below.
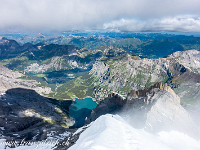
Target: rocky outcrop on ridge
x,y
112,104
143,93
155,109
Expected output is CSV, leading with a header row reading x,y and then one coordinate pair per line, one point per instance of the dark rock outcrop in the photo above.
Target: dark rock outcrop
x,y
112,104
115,103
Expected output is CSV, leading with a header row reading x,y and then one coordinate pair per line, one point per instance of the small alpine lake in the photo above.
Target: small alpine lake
x,y
80,109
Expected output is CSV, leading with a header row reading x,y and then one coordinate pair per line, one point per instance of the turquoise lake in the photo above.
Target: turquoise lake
x,y
80,109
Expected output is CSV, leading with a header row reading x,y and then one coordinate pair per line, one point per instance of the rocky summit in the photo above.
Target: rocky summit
x,y
158,108
148,107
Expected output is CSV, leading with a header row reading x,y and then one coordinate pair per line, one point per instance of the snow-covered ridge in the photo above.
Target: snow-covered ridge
x,y
112,132
150,119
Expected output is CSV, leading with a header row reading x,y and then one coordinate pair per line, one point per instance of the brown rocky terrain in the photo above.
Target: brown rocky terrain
x,y
11,79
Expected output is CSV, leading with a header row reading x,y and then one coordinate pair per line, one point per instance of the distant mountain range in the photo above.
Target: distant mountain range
x,y
66,67
156,74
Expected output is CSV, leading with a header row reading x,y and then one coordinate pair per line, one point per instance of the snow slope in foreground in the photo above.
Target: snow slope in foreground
x,y
111,132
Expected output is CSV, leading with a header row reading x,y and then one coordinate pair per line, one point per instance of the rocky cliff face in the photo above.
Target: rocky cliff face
x,y
128,73
189,59
158,108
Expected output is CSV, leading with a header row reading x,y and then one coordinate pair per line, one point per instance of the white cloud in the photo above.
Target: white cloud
x,y
178,23
60,15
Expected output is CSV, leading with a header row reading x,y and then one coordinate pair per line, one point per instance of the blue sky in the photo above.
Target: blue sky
x,y
111,15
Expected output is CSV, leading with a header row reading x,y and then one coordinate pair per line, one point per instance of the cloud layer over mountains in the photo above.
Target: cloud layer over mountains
x,y
123,15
